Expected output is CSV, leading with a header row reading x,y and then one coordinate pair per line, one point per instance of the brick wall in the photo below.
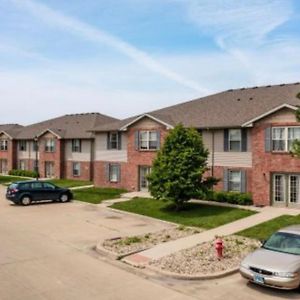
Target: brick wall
x,y
85,170
264,163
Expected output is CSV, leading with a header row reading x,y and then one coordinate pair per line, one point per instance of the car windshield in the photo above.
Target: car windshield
x,y
284,242
13,186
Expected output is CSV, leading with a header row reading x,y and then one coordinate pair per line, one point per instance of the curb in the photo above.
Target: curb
x,y
192,277
103,251
142,216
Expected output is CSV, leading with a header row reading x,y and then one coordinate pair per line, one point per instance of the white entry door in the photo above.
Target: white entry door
x,y
49,169
144,171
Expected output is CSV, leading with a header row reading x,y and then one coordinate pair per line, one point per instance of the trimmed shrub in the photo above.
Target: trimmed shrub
x,y
24,173
230,197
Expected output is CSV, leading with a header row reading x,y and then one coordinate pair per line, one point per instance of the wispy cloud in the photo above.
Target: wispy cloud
x,y
238,23
95,35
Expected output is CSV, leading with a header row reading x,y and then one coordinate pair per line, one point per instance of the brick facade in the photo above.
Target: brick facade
x,y
85,170
266,163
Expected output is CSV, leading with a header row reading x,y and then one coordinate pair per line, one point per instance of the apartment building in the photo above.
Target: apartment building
x,y
62,147
248,132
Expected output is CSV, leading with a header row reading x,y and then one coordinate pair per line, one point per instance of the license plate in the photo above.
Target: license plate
x,y
259,279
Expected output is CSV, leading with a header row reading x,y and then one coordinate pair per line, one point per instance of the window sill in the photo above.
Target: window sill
x,y
281,152
148,150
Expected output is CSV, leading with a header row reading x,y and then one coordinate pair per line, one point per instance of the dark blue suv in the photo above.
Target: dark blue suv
x,y
24,192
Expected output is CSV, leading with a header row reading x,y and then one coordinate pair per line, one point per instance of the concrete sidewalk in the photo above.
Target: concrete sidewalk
x,y
266,214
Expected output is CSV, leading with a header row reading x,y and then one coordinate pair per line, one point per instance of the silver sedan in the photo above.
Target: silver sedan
x,y
277,263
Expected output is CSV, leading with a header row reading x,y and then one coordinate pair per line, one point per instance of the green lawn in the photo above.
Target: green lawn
x,y
97,195
7,179
69,182
264,230
194,214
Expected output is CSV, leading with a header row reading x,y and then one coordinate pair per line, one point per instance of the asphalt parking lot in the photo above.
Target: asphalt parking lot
x,y
47,253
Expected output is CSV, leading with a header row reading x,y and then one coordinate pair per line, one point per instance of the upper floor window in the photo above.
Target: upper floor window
x,y
148,140
283,138
3,145
76,145
235,139
22,145
50,145
112,140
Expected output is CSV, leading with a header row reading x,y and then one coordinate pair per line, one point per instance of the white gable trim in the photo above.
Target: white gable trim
x,y
285,105
48,130
5,133
124,128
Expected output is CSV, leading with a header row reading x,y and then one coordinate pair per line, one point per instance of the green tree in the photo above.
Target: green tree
x,y
296,144
178,169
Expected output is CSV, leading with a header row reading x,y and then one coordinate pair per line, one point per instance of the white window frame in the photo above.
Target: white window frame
x,y
148,140
76,169
114,177
286,137
113,138
50,145
22,145
230,181
233,140
76,145
274,188
22,164
3,145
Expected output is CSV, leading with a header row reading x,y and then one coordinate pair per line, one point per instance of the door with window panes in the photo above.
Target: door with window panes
x,y
49,169
144,171
286,190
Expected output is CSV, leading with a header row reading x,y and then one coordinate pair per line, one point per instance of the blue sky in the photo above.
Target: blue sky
x,y
125,57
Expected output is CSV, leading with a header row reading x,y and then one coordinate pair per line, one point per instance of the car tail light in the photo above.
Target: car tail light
x,y
13,191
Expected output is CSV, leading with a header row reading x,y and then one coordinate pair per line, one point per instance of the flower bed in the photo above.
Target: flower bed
x,y
126,245
202,259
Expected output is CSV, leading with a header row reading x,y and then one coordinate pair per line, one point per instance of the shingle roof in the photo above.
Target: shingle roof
x,y
230,108
67,126
10,129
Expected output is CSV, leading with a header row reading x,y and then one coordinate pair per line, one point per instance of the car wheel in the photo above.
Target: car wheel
x,y
26,200
64,198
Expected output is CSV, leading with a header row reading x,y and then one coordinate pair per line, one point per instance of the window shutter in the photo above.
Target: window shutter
x,y
243,181
225,180
137,140
79,145
119,173
158,139
119,140
107,141
268,139
226,134
107,172
244,140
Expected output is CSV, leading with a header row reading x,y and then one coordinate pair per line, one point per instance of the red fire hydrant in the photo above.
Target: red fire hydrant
x,y
219,246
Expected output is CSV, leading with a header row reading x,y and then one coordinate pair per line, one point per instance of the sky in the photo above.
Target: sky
x,y
127,57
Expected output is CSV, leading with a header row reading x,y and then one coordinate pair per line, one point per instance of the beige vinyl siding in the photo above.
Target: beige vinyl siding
x,y
231,159
146,123
84,155
102,154
207,136
29,153
221,158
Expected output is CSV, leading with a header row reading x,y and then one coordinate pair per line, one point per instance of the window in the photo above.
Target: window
x,y
278,139
284,137
76,145
76,169
294,188
50,145
234,181
114,173
113,140
22,145
36,185
279,188
235,139
48,186
148,140
22,165
293,134
3,145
